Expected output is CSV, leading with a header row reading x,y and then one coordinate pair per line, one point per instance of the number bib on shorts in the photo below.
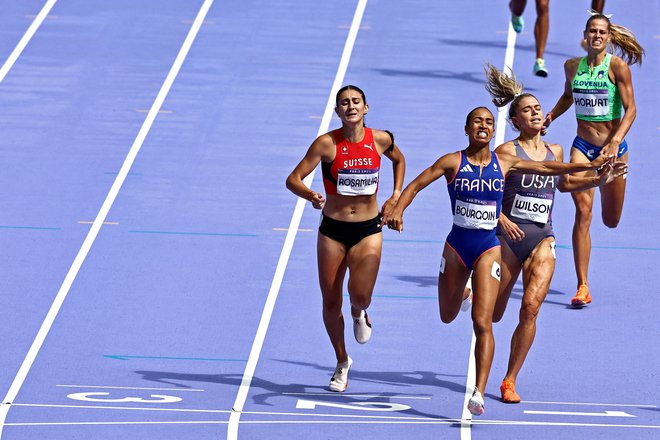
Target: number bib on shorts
x,y
535,209
357,181
475,214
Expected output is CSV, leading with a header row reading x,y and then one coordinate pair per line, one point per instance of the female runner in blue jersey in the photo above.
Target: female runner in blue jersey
x,y
599,85
525,223
475,181
350,237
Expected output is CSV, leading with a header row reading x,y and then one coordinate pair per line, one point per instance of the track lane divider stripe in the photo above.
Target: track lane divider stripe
x,y
26,38
500,128
23,371
257,344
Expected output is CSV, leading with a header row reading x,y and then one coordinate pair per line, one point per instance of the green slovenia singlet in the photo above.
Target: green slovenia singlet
x,y
596,98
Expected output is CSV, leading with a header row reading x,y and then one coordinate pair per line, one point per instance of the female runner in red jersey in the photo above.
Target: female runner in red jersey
x,y
350,231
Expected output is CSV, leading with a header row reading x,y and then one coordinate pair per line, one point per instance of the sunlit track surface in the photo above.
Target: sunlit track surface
x,y
153,338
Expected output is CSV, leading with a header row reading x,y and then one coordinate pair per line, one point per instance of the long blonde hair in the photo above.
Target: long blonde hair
x,y
505,89
622,41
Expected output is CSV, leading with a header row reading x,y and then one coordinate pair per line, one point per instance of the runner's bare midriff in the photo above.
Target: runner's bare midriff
x,y
351,209
597,133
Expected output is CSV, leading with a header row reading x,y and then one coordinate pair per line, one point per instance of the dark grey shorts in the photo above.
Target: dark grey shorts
x,y
534,234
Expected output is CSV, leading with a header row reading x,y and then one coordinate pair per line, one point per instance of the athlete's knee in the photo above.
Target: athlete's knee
x,y
542,7
498,315
447,316
361,302
529,310
583,215
611,221
482,325
332,304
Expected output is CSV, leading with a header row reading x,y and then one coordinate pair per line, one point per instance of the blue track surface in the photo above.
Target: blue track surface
x,y
154,334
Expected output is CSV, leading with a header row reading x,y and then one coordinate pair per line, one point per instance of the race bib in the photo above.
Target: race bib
x,y
530,208
357,182
475,214
591,102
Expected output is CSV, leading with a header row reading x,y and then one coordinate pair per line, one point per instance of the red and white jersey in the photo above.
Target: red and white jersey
x,y
354,171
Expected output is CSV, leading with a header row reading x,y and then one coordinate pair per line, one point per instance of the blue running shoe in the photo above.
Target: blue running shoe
x,y
539,68
517,23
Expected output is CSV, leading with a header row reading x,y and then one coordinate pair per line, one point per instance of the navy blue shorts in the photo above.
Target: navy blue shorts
x,y
592,151
470,244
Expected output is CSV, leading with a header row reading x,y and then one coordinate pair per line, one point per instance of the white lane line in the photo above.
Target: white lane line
x,y
466,416
190,422
26,39
257,344
589,404
508,65
100,218
589,414
129,388
466,433
343,422
380,396
124,408
372,418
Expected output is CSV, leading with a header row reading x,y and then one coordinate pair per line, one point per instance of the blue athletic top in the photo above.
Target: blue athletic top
x,y
476,199
528,198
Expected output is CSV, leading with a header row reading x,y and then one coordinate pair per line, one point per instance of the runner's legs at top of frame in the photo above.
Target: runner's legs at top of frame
x,y
541,29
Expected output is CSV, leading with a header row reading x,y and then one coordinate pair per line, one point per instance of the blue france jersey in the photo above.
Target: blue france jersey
x,y
476,200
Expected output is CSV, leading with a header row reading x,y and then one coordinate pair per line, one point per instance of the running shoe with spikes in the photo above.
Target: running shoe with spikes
x,y
582,297
508,391
476,403
539,68
362,327
339,381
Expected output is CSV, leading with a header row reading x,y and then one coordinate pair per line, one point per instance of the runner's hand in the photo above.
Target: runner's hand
x,y
511,229
317,200
610,172
387,209
395,220
600,161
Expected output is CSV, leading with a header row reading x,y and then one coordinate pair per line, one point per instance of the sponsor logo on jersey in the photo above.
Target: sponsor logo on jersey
x,y
369,146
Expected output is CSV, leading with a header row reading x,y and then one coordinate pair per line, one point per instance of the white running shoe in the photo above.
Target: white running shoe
x,y
339,381
467,302
362,327
476,403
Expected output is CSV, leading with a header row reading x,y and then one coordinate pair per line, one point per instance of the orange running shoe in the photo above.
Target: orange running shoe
x,y
582,297
508,391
